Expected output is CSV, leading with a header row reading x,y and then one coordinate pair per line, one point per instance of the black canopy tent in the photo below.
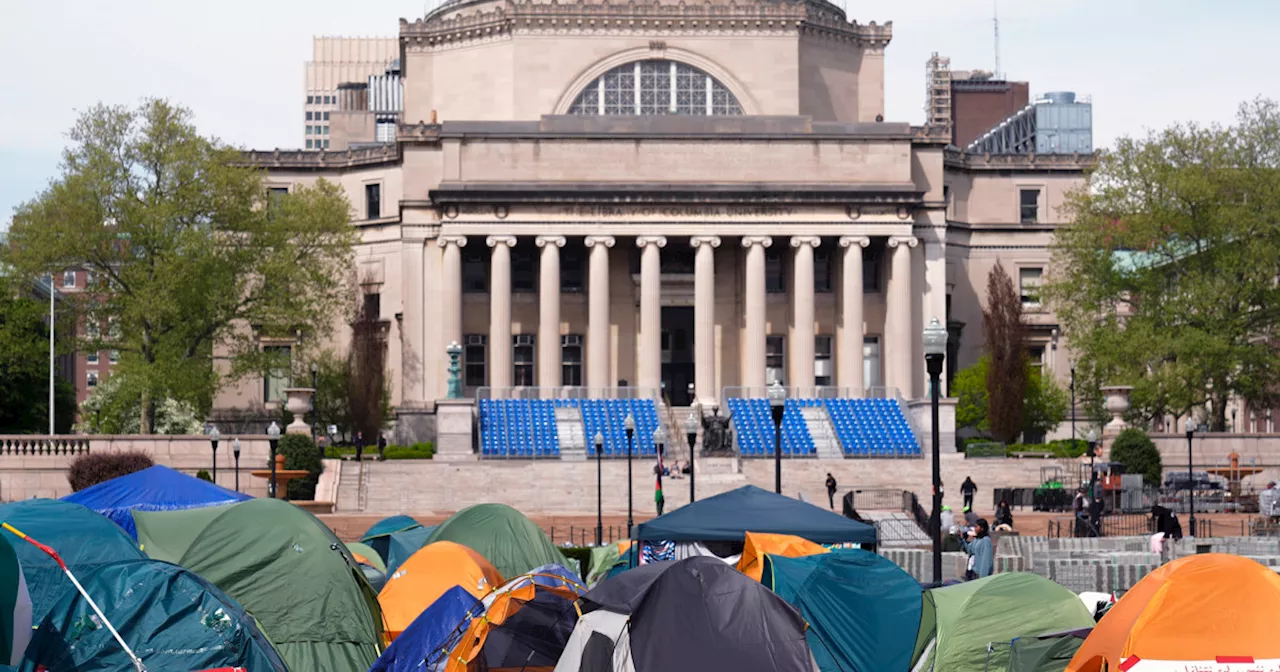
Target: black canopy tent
x,y
730,515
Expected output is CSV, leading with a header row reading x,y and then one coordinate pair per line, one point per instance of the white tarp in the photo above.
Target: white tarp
x,y
1224,664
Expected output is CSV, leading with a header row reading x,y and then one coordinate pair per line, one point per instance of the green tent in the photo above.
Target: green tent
x,y
1046,653
959,622
508,540
15,606
286,568
367,553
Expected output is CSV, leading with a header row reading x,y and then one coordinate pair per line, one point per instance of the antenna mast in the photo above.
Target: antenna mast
x,y
995,22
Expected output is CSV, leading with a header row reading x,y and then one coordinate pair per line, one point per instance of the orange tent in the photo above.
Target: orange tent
x,y
1203,608
758,544
426,575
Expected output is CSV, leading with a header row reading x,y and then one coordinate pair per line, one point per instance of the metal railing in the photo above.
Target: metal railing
x,y
1122,525
567,393
43,445
585,535
819,392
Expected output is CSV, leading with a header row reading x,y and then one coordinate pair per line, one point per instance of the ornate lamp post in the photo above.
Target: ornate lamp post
x,y
455,370
1191,476
214,435
315,404
691,432
630,426
235,452
1093,453
1072,387
777,407
599,441
935,351
273,438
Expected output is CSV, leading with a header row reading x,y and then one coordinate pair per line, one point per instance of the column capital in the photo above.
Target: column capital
x,y
697,241
592,241
460,241
645,241
494,241
850,241
812,241
543,241
752,241
909,241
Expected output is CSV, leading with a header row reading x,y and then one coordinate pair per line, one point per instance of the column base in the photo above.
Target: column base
x,y
454,430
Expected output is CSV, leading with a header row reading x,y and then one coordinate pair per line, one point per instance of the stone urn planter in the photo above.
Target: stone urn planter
x,y
298,401
1117,404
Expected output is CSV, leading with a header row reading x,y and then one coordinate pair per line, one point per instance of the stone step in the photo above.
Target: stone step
x,y
822,431
571,432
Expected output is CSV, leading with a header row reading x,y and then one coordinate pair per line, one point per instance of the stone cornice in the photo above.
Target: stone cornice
x,y
954,158
850,195
296,159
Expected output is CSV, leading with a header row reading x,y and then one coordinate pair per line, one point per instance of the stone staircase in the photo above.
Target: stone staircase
x,y
348,488
823,432
573,440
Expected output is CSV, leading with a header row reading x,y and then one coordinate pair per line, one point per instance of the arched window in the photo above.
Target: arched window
x,y
655,87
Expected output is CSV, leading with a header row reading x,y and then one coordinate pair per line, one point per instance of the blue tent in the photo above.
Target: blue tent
x,y
730,515
431,630
157,488
395,539
863,610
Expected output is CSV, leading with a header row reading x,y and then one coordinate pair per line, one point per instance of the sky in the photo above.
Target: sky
x,y
238,65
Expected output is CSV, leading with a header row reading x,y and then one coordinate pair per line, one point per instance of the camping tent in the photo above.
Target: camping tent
x,y
15,606
959,621
603,558
371,565
157,488
427,575
1193,609
730,515
1045,653
396,538
81,537
508,540
429,632
170,617
863,610
286,568
758,544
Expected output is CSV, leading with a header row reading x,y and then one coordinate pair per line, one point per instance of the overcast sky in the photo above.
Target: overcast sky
x,y
238,64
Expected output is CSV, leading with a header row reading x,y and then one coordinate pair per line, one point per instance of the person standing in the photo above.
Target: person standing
x,y
382,447
968,489
981,553
831,491
1267,501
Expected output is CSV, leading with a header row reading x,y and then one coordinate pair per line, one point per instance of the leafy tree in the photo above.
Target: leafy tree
x,y
1046,403
1166,278
970,389
1007,370
113,408
301,453
187,251
24,367
94,468
368,394
1043,408
1135,450
333,374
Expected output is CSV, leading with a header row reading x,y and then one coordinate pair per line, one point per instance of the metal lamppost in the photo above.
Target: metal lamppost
x,y
315,404
235,452
1191,477
777,407
659,442
630,426
1073,403
273,438
599,490
1093,453
214,435
935,351
691,432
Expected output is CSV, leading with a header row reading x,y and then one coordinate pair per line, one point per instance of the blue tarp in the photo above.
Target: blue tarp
x,y
429,631
157,488
730,515
863,610
387,526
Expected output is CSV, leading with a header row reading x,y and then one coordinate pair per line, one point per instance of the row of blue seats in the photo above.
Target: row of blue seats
x,y
871,427
753,422
527,427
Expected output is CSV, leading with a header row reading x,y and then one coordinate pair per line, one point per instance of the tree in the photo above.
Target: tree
x,y
24,367
188,251
367,382
1139,455
1007,370
1165,279
1043,407
333,374
93,468
113,408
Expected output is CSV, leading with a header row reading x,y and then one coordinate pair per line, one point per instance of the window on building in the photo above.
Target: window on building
x,y
91,329
326,144
1035,356
373,305
775,280
308,116
871,362
573,268
325,130
522,360
69,279
311,100
823,372
310,130
372,201
113,356
277,377
1029,204
475,269
473,360
1029,286
656,87
571,360
872,261
91,379
309,144
90,278
91,358
524,268
326,118
822,270
775,359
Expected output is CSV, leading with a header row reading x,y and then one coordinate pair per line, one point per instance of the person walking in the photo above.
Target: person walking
x,y
981,553
968,489
831,491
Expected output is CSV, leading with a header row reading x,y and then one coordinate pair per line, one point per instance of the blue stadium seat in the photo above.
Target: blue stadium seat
x,y
872,427
518,428
753,424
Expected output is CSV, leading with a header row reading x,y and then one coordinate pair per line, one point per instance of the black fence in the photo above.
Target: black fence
x,y
878,499
1136,525
577,535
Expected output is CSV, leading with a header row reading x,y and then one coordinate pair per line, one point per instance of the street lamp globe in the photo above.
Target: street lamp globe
x,y
1092,437
691,423
777,394
274,430
1190,426
659,437
599,441
629,424
214,434
935,338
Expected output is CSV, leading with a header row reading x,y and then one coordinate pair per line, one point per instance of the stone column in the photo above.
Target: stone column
x,y
896,345
549,311
849,354
598,312
500,311
451,288
704,317
753,345
649,366
802,299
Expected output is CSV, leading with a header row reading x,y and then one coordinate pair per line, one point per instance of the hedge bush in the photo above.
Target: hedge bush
x,y
94,468
301,453
1059,448
418,451
204,476
582,555
1139,455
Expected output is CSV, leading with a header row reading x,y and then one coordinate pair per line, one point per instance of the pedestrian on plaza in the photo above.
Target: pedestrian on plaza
x,y
659,500
1267,501
831,491
948,520
359,446
968,489
981,553
1004,517
382,447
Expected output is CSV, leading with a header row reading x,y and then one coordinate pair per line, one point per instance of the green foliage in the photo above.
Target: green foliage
x,y
186,251
113,407
1044,405
204,476
24,367
1165,279
301,453
1138,453
418,451
94,468
582,555
985,449
970,390
1007,364
1062,448
332,374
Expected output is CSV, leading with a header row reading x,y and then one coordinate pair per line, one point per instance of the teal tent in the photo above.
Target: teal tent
x,y
170,617
396,538
863,611
80,536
